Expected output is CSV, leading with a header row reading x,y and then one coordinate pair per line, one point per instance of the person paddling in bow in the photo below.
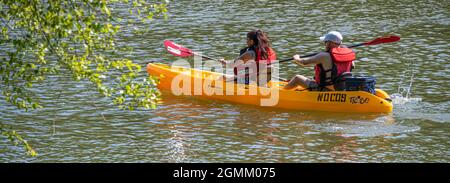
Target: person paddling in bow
x,y
331,66
254,60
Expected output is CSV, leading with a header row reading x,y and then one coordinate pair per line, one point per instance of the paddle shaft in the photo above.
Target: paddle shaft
x,y
204,56
210,58
379,40
312,54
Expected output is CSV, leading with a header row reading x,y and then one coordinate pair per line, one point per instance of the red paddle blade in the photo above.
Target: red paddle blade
x,y
384,39
176,49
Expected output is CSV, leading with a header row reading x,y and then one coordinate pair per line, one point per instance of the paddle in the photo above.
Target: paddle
x,y
380,40
180,51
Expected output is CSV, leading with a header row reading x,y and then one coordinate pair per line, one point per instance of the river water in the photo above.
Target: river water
x,y
77,125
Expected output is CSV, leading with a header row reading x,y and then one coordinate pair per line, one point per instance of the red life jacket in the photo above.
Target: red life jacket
x,y
271,57
342,59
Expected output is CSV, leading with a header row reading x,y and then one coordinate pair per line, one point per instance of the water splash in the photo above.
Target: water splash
x,y
403,94
407,107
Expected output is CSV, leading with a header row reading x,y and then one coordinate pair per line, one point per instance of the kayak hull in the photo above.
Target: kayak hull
x,y
205,84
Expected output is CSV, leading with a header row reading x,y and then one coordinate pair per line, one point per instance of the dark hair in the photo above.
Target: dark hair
x,y
261,41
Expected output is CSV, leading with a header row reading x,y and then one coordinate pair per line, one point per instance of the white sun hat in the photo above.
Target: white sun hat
x,y
333,36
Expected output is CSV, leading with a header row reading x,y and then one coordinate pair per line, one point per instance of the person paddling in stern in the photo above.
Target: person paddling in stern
x,y
330,66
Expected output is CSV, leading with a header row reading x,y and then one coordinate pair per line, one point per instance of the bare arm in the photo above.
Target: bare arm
x,y
249,55
316,59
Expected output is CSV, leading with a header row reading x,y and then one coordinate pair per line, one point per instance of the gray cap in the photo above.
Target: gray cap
x,y
333,36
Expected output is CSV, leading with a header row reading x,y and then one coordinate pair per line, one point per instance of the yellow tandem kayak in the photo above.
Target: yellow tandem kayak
x,y
194,82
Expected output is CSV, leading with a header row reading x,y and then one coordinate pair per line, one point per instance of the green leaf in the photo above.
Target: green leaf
x,y
74,38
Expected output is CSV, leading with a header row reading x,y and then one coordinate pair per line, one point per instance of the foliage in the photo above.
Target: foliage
x,y
16,139
44,37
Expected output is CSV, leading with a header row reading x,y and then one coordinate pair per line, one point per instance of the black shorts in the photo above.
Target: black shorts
x,y
313,86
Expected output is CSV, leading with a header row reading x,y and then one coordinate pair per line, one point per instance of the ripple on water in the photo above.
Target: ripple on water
x,y
365,128
79,126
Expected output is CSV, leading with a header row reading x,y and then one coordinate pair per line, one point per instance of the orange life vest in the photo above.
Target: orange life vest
x,y
342,59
